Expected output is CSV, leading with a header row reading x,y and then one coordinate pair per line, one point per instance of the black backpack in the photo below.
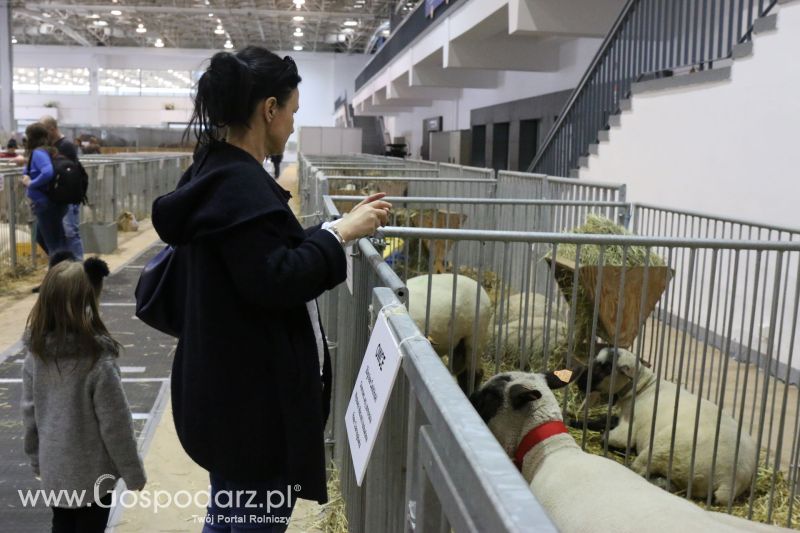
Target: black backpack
x,y
70,182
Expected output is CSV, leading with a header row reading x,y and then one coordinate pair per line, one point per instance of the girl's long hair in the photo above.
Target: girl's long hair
x,y
66,316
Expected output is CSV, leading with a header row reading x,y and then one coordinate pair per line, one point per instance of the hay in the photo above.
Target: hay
x,y
334,515
612,254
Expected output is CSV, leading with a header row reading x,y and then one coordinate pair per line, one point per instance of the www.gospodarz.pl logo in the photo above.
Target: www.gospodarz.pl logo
x,y
264,503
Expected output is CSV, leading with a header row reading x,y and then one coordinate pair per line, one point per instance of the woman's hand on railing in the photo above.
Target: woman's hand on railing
x,y
365,218
26,180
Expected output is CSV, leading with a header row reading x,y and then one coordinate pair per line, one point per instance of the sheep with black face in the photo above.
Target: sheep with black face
x,y
614,373
582,492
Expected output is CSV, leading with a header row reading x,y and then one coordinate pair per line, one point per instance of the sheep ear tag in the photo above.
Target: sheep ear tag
x,y
564,375
558,379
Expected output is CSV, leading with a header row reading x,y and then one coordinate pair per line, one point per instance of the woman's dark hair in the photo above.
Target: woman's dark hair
x,y
232,86
38,137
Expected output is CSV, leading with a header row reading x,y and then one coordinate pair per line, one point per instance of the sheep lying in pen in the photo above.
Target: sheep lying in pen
x,y
518,322
466,334
615,372
580,491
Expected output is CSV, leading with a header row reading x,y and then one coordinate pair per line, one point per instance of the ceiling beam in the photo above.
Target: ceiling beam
x,y
61,26
245,11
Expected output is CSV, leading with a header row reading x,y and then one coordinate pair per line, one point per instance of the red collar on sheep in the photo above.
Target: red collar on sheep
x,y
535,436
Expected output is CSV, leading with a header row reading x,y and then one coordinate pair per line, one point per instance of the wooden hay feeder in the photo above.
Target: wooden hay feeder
x,y
632,315
439,219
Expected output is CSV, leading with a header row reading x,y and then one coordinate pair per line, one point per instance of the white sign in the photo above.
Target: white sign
x,y
371,394
101,172
123,170
348,252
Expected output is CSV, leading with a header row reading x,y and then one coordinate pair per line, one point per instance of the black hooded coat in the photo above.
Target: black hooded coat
x,y
248,400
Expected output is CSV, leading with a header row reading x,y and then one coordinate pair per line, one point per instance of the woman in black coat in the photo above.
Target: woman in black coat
x,y
251,376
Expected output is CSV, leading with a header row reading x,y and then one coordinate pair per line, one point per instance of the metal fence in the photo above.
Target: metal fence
x,y
458,171
526,185
724,330
124,182
435,465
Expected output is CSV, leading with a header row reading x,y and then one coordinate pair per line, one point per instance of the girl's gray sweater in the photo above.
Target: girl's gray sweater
x,y
78,425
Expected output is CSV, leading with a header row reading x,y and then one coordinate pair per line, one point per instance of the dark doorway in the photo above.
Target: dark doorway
x,y
478,158
528,142
429,125
500,146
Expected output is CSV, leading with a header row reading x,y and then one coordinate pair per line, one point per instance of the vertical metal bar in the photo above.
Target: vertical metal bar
x,y
784,401
702,376
767,373
725,361
673,435
703,25
746,376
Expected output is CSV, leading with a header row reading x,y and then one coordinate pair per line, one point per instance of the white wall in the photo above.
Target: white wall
x,y
325,76
575,59
728,148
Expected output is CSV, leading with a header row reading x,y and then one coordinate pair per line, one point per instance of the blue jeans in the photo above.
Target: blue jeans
x,y
72,225
252,507
50,226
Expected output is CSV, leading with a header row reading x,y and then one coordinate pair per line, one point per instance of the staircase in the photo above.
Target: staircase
x,y
651,41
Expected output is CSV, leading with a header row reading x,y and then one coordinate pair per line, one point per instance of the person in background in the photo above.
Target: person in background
x,y
276,163
78,426
38,175
11,149
72,220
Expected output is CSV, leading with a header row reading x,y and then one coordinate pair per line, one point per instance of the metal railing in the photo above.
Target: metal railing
x,y
124,182
724,329
435,464
650,37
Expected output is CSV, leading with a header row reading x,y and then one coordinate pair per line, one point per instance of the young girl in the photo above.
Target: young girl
x,y
78,427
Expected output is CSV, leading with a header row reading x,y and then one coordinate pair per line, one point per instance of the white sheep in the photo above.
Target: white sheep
x,y
724,486
579,491
513,322
469,297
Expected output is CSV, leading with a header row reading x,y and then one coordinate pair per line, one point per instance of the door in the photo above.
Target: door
x,y
528,142
478,146
500,146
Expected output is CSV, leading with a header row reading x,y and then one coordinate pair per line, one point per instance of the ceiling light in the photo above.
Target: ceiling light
x,y
298,29
116,12
298,34
348,30
298,47
100,23
219,30
385,33
350,23
342,37
211,14
94,16
141,29
13,40
46,15
228,44
159,43
298,3
298,18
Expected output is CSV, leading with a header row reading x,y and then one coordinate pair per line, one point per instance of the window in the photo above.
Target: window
x,y
120,82
166,82
26,80
52,80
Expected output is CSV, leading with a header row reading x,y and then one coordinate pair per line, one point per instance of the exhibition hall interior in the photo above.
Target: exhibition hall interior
x,y
399,265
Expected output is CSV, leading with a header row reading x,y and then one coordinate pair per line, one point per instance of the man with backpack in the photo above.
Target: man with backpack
x,y
72,220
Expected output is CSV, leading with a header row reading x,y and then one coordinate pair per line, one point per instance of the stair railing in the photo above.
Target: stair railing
x,y
649,39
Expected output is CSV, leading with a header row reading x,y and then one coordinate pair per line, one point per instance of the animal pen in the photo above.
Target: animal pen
x,y
117,183
709,303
